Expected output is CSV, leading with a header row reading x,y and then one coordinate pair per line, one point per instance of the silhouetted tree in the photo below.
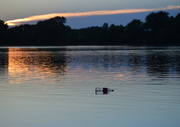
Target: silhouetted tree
x,y
3,29
3,26
158,29
135,32
52,30
174,30
116,35
157,20
105,26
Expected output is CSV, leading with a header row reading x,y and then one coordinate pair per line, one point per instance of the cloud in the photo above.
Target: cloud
x,y
80,14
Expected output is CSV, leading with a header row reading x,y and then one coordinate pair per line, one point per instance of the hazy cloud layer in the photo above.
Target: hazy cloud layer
x,y
79,14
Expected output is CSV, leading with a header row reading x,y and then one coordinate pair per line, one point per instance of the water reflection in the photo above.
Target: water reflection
x,y
163,63
3,59
48,65
146,85
3,64
127,66
31,65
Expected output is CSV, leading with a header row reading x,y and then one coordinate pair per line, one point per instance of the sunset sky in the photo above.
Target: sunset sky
x,y
80,13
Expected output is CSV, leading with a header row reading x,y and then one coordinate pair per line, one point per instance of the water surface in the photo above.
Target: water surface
x,y
55,86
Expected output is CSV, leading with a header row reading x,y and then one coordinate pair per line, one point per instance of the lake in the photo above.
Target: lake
x,y
55,86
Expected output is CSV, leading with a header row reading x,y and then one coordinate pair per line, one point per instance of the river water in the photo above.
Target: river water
x,y
55,86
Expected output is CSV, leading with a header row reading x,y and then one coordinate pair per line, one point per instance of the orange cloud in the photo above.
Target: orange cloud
x,y
79,14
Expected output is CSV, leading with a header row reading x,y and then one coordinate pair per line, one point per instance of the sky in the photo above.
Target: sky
x,y
81,13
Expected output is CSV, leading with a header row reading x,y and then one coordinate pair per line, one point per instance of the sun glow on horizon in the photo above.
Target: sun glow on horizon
x,y
80,14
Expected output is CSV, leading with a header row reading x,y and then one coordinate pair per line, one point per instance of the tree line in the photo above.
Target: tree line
x,y
159,29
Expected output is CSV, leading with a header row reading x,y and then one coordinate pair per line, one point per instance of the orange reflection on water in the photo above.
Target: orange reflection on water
x,y
33,66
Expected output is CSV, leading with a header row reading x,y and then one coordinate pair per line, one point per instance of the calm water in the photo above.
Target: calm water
x,y
55,87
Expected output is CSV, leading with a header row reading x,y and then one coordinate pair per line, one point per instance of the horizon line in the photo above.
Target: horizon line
x,y
20,21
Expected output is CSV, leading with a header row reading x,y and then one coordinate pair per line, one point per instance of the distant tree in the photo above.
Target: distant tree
x,y
177,24
3,26
51,31
58,21
159,29
174,30
115,35
157,24
21,35
135,32
157,20
3,29
92,36
105,26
